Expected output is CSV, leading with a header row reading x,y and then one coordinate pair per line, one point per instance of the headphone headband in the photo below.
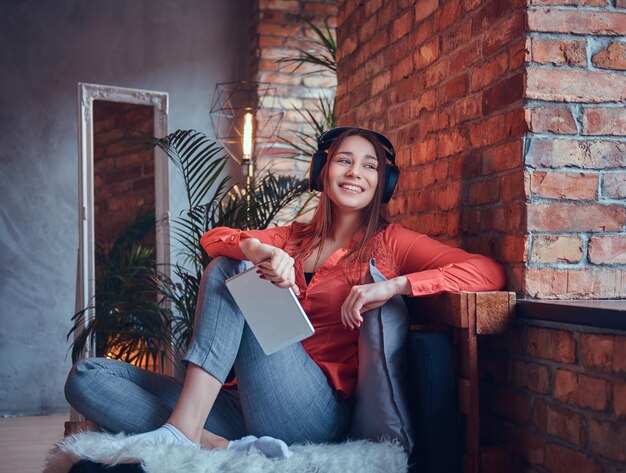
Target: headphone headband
x,y
327,138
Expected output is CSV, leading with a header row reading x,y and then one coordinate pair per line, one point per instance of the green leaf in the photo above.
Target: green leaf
x,y
145,315
323,52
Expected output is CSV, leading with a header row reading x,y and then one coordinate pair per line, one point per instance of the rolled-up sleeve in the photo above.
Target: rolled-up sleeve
x,y
432,267
224,241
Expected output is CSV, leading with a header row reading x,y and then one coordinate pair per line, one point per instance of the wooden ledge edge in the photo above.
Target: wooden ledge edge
x,y
484,312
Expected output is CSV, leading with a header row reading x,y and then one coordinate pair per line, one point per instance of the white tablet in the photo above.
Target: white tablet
x,y
274,314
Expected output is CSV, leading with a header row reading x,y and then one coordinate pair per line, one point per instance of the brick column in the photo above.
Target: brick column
x,y
279,30
576,151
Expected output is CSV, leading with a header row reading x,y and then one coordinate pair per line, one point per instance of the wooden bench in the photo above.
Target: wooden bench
x,y
467,315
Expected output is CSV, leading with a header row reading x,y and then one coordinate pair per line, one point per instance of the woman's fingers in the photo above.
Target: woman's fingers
x,y
279,270
295,289
350,309
345,320
269,266
370,306
347,310
284,271
284,267
344,315
364,298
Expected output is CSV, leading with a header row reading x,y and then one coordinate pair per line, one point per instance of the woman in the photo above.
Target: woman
x,y
303,392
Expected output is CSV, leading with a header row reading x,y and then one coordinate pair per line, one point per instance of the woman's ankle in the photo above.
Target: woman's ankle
x,y
191,433
210,440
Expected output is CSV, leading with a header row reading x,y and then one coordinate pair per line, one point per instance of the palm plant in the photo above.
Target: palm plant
x,y
196,158
129,322
305,143
268,197
323,54
163,325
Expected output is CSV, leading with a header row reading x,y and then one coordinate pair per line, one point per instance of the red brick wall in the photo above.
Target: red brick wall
x,y
557,397
444,79
123,177
279,30
576,153
509,121
508,117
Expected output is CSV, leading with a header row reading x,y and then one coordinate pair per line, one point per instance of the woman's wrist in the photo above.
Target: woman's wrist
x,y
402,286
248,247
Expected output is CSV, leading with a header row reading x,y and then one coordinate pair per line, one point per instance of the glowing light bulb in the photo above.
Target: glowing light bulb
x,y
247,136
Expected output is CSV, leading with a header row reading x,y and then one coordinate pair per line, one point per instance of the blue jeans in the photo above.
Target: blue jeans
x,y
283,395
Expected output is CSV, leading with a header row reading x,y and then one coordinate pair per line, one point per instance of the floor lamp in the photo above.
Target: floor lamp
x,y
246,117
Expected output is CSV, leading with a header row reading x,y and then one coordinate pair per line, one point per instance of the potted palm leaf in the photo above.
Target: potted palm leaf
x,y
129,322
323,54
170,300
148,315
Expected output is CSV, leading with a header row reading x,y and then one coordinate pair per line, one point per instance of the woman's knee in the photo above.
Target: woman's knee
x,y
217,272
80,375
227,266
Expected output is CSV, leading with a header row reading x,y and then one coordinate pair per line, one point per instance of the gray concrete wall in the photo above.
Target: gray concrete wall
x,y
46,48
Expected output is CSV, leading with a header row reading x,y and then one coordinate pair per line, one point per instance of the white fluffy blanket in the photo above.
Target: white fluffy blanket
x,y
354,456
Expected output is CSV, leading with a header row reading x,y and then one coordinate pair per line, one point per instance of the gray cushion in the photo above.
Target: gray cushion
x,y
381,409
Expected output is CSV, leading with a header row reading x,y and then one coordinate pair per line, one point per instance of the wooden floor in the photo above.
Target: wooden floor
x,y
25,441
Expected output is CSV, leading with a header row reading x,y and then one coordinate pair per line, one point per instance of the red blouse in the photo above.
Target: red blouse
x,y
431,267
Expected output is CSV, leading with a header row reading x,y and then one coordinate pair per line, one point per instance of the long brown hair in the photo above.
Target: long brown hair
x,y
312,235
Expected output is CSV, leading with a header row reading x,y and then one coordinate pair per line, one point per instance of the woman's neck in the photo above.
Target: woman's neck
x,y
345,225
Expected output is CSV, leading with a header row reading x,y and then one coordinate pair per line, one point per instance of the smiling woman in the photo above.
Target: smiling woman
x,y
353,174
304,392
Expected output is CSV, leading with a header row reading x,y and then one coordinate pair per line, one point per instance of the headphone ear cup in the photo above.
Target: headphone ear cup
x,y
392,173
317,164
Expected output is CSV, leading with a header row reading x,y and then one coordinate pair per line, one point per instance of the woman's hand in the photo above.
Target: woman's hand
x,y
273,263
370,296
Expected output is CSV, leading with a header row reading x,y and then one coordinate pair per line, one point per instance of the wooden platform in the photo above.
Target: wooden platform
x,y
25,441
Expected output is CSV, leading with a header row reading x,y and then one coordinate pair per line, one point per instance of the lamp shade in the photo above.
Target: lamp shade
x,y
246,118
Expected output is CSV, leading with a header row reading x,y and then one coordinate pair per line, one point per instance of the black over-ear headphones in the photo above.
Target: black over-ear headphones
x,y
319,160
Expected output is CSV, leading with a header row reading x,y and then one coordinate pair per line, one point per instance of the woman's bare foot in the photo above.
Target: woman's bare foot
x,y
210,440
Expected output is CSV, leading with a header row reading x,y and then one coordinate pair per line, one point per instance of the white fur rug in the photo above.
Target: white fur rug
x,y
355,456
